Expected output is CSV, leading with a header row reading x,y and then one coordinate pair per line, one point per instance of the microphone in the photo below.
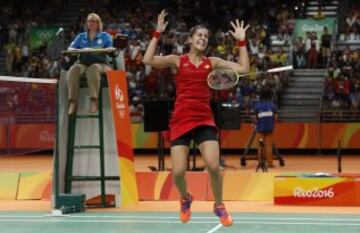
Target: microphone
x,y
61,29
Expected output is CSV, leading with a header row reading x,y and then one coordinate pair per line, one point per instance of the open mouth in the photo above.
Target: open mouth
x,y
202,43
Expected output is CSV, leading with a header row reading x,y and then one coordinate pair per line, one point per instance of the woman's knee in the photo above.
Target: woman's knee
x,y
178,172
213,168
107,68
93,69
75,69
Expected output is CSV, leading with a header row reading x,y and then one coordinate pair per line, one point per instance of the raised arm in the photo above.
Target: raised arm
x,y
170,61
239,35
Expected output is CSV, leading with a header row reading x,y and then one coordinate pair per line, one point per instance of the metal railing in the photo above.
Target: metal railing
x,y
246,116
321,116
29,117
340,116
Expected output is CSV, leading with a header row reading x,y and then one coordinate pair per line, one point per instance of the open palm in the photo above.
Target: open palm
x,y
239,32
161,23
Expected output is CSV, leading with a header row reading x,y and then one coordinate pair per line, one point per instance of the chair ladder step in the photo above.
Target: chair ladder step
x,y
93,178
87,147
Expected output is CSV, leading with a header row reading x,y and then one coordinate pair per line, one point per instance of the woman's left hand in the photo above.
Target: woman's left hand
x,y
239,32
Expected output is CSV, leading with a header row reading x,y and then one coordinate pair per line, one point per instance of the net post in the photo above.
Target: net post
x,y
56,148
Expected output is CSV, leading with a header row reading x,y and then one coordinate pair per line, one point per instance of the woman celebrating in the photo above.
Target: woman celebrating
x,y
192,117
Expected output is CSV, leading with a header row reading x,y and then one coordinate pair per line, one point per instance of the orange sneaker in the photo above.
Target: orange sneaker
x,y
185,211
225,218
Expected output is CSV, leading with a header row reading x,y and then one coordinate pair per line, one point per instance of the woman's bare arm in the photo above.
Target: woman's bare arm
x,y
170,61
243,66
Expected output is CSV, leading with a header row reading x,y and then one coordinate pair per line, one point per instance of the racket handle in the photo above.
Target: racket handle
x,y
274,70
280,69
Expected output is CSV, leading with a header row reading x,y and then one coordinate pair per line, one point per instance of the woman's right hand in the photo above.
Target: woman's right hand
x,y
161,23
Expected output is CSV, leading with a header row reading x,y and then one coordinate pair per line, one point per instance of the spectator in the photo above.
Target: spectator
x,y
299,52
352,19
24,53
313,51
325,47
319,15
136,110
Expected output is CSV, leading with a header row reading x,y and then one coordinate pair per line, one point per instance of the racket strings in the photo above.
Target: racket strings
x,y
223,79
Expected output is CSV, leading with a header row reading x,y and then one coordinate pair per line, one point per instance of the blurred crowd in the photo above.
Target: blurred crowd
x,y
145,83
351,32
21,101
342,77
15,26
342,81
138,19
312,52
27,102
315,51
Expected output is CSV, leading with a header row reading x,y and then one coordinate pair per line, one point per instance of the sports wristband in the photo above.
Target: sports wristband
x,y
156,34
241,43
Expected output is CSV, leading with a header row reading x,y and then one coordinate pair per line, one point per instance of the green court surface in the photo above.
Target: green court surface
x,y
108,222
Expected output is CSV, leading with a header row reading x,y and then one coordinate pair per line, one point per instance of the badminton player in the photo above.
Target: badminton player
x,y
192,117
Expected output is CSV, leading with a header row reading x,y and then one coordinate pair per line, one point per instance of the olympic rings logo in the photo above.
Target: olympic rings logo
x,y
44,35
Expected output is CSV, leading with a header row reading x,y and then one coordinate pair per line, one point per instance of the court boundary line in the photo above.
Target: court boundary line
x,y
55,220
145,217
217,227
213,217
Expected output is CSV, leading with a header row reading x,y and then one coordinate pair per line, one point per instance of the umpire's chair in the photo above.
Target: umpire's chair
x,y
116,62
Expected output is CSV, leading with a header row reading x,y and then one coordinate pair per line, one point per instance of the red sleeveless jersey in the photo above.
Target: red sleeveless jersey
x,y
192,105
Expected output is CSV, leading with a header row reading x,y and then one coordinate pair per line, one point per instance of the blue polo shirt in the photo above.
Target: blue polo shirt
x,y
101,40
265,112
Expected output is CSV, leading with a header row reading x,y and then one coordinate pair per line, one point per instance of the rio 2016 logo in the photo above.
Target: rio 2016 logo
x,y
119,95
46,136
314,193
120,101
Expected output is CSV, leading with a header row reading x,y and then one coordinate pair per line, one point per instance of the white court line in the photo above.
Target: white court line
x,y
239,218
56,220
62,220
253,229
137,217
28,80
215,228
23,216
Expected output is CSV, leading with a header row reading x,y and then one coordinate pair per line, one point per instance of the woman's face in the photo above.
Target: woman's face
x,y
199,39
92,24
